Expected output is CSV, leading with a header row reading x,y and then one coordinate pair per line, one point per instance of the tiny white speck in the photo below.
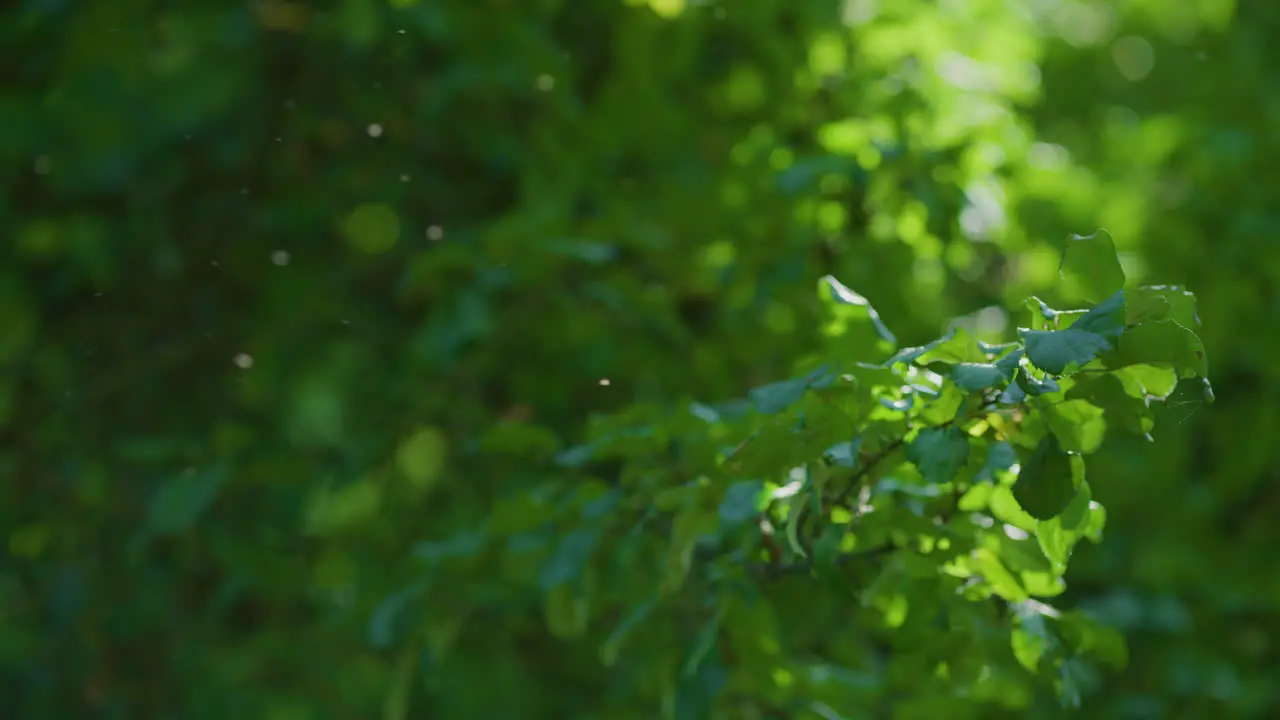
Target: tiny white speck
x,y
374,130
435,232
400,31
277,139
280,258
244,361
604,381
546,83
404,177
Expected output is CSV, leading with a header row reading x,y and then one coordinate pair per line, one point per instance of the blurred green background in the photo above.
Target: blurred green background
x,y
291,298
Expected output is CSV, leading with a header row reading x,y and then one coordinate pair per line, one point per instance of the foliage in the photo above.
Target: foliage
x,y
879,531
380,357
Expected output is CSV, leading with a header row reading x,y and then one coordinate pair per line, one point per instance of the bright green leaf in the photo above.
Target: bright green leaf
x,y
1162,302
1078,425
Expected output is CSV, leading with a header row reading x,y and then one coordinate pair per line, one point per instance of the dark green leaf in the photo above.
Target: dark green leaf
x,y
776,397
939,453
570,556
1058,351
1106,319
1163,342
179,502
741,503
609,649
1046,482
971,377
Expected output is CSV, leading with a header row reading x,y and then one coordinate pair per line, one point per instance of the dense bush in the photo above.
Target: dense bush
x,y
392,357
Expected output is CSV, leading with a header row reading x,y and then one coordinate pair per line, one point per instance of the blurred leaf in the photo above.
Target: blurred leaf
x,y
570,557
1090,266
741,503
421,458
776,397
179,503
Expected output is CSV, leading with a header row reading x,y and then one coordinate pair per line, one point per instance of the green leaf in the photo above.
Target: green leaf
x,y
1021,555
1028,647
180,502
421,458
944,407
1076,517
776,397
1126,407
826,549
565,611
705,641
1057,351
462,545
740,504
939,453
955,347
1163,342
791,529
1162,302
1086,635
1153,380
853,326
1044,317
1002,582
609,649
1033,386
1107,318
689,526
1046,482
972,377
388,615
1090,266
1010,363
1078,425
1055,542
570,556
1004,506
